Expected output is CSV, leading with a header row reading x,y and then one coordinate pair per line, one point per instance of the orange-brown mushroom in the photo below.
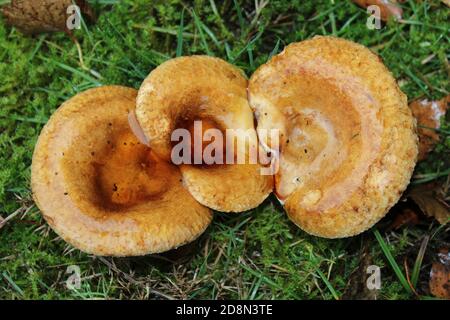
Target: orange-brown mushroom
x,y
102,190
212,92
347,137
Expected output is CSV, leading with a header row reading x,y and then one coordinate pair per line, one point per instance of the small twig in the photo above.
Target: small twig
x,y
428,59
279,268
80,57
3,221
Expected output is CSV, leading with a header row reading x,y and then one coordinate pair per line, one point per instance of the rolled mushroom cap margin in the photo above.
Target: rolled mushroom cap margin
x,y
348,139
77,144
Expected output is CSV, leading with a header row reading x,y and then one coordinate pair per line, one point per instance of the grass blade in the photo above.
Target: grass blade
x,y
417,81
83,75
38,46
275,49
180,36
240,17
210,34
418,263
228,52
392,261
198,25
250,58
172,32
429,176
250,43
328,284
265,279
12,283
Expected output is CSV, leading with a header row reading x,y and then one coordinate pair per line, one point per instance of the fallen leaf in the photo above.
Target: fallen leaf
x,y
428,114
404,217
430,199
388,8
37,16
446,2
440,275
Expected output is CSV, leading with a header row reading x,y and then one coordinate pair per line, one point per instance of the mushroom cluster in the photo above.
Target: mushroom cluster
x,y
105,179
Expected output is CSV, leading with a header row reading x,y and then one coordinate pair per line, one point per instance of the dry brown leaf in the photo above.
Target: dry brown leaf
x,y
405,217
446,2
37,16
440,275
388,8
428,114
429,198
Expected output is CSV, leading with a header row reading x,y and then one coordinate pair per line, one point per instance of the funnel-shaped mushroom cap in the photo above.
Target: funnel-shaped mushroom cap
x,y
103,191
210,91
348,142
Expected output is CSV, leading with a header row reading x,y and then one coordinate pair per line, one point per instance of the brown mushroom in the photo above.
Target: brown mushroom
x,y
348,141
212,92
102,190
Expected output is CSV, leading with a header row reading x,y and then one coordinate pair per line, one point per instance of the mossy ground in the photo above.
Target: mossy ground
x,y
254,255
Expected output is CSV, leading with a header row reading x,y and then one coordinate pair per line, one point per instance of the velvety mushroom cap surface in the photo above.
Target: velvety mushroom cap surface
x,y
347,137
102,190
200,88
